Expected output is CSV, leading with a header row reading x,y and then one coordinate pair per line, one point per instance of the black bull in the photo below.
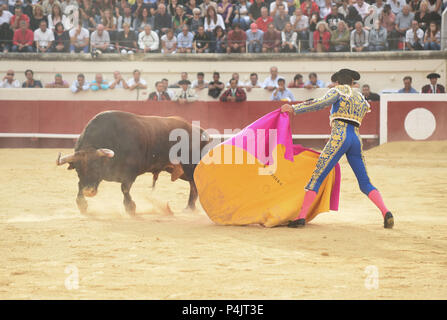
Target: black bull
x,y
119,146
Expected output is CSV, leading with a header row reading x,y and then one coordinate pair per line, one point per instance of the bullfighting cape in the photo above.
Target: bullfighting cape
x,y
258,176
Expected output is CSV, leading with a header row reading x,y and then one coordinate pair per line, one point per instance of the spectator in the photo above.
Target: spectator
x,y
396,5
185,95
37,17
99,83
5,15
201,41
433,87
30,82
148,40
340,38
362,8
271,40
377,7
200,83
196,20
126,41
204,6
143,19
136,82
432,38
334,18
253,82
169,42
172,6
47,6
288,39
297,81
58,82
274,7
369,96
23,39
215,87
407,86
313,21
378,38
344,7
314,82
184,41
282,93
79,39
162,20
18,17
189,7
271,82
300,24
126,17
403,23
170,93
309,7
6,36
118,81
225,9
109,23
414,38
221,40
43,38
255,38
61,41
100,40
183,76
414,5
241,14
234,93
9,81
235,76
254,12
325,10
281,18
159,94
322,37
436,6
180,19
79,84
424,16
264,20
359,38
352,18
387,20
56,16
236,40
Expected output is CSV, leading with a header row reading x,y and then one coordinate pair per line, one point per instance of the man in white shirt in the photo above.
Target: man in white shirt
x,y
235,76
414,37
43,38
363,8
253,82
5,15
9,81
118,81
79,84
100,39
271,83
274,7
136,82
148,40
79,38
200,83
396,5
169,42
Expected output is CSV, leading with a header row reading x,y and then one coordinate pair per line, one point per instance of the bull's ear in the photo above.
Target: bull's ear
x,y
71,166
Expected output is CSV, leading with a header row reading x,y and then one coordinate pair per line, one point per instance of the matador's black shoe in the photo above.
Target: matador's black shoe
x,y
299,223
388,221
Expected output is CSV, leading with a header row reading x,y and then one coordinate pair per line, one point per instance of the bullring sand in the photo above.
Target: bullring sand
x,y
169,253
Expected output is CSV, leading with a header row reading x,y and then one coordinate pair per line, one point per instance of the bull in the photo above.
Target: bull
x,y
119,146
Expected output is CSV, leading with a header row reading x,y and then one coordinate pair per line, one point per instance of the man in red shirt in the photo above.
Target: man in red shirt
x,y
236,40
19,16
272,40
308,7
264,20
23,39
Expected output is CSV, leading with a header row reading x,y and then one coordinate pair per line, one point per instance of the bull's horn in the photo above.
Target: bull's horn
x,y
105,153
65,159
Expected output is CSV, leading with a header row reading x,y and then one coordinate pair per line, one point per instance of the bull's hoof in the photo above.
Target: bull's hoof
x,y
130,208
82,205
298,223
388,221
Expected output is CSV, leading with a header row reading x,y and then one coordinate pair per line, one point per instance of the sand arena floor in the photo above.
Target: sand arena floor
x,y
45,242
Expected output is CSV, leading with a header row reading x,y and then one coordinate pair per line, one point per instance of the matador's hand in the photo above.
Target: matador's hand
x,y
286,108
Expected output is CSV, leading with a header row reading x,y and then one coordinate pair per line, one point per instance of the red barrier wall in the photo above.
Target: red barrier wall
x,y
399,110
70,117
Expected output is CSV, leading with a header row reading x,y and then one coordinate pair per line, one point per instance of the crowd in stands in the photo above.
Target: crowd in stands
x,y
233,91
224,26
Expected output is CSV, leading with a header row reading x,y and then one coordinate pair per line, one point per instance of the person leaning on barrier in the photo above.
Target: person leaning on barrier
x,y
407,86
369,96
99,83
9,81
282,93
79,84
136,82
58,82
234,93
215,87
118,81
159,94
30,82
185,94
252,83
200,82
297,81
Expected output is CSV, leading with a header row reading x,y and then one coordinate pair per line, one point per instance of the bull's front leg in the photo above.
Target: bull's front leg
x,y
129,204
80,200
193,194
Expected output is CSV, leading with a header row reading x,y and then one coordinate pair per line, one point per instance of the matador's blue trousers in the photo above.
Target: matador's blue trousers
x,y
345,139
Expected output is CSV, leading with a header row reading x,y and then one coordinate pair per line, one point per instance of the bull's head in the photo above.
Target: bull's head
x,y
89,165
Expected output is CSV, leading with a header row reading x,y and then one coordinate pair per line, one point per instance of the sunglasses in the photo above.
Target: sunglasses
x,y
10,74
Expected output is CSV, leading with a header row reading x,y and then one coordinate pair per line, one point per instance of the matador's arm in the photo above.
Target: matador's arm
x,y
317,104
